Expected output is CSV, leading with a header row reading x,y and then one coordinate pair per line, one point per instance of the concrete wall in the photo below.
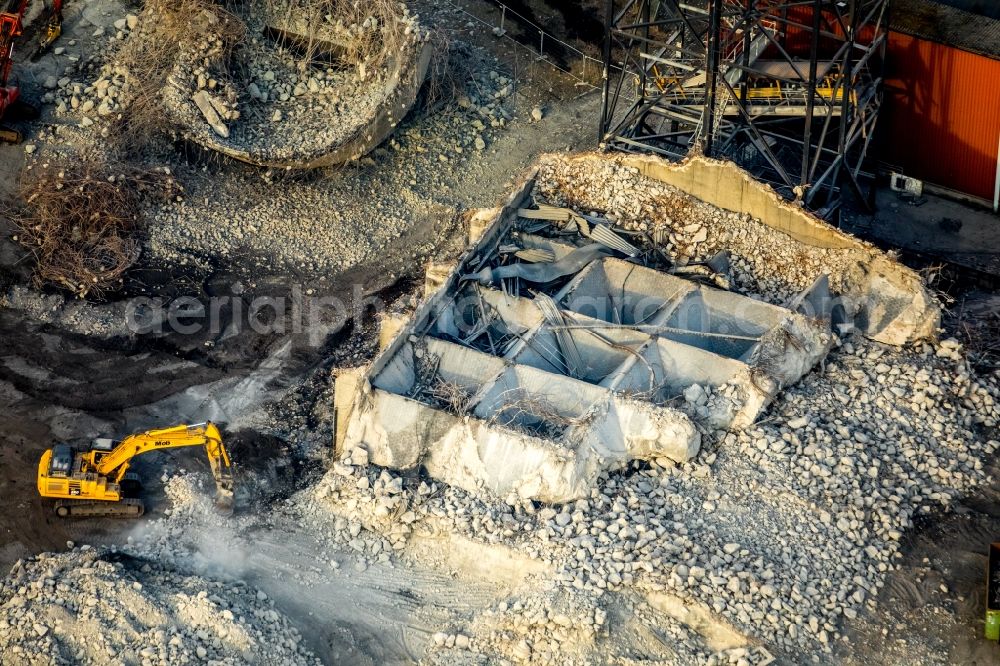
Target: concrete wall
x,y
725,185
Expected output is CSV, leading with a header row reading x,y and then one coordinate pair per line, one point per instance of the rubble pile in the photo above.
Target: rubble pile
x,y
266,219
541,628
170,539
232,86
327,225
781,531
261,98
89,606
92,87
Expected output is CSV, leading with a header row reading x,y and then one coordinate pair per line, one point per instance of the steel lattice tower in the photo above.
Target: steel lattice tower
x,y
788,89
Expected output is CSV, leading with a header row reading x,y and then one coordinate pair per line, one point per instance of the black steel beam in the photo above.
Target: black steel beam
x,y
693,76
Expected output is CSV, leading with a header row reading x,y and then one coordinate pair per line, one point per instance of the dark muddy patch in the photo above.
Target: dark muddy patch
x,y
267,469
933,606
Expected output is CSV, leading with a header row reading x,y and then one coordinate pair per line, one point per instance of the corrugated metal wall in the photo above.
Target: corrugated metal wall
x,y
941,119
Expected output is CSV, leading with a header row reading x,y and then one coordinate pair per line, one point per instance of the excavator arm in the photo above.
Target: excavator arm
x,y
11,27
114,464
53,26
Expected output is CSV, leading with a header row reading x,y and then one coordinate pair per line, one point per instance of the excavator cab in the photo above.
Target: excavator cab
x,y
62,460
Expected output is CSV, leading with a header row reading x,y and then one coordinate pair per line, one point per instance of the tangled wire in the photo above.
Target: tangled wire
x,y
80,222
168,27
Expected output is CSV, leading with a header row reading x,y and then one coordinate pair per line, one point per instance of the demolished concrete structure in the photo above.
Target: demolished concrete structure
x,y
779,246
280,113
545,360
557,350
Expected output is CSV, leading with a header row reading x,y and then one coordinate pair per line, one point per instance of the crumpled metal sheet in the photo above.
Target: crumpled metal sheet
x,y
567,346
540,273
595,228
605,236
536,256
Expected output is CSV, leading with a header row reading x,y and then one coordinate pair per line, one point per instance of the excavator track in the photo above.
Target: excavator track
x,y
126,508
19,110
130,486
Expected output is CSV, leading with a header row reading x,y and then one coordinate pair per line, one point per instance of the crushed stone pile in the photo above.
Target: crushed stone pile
x,y
108,320
776,535
254,96
92,87
269,221
325,225
780,532
91,606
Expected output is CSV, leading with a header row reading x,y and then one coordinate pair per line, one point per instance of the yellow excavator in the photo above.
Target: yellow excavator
x,y
97,482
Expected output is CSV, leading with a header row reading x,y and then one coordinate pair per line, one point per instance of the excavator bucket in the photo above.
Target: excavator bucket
x,y
222,471
52,30
224,502
51,33
224,494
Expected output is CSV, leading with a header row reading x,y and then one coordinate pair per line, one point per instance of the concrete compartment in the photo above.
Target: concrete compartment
x,y
462,319
620,292
462,368
668,367
721,322
537,402
603,348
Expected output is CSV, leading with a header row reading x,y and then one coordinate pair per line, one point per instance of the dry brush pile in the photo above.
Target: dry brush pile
x,y
363,32
82,222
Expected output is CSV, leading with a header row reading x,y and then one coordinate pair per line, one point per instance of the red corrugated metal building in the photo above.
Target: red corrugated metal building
x,y
941,118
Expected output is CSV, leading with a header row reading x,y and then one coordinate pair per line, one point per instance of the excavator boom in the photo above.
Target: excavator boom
x,y
97,475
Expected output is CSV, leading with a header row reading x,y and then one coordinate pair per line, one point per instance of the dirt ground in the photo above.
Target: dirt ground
x,y
934,227
932,608
59,384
